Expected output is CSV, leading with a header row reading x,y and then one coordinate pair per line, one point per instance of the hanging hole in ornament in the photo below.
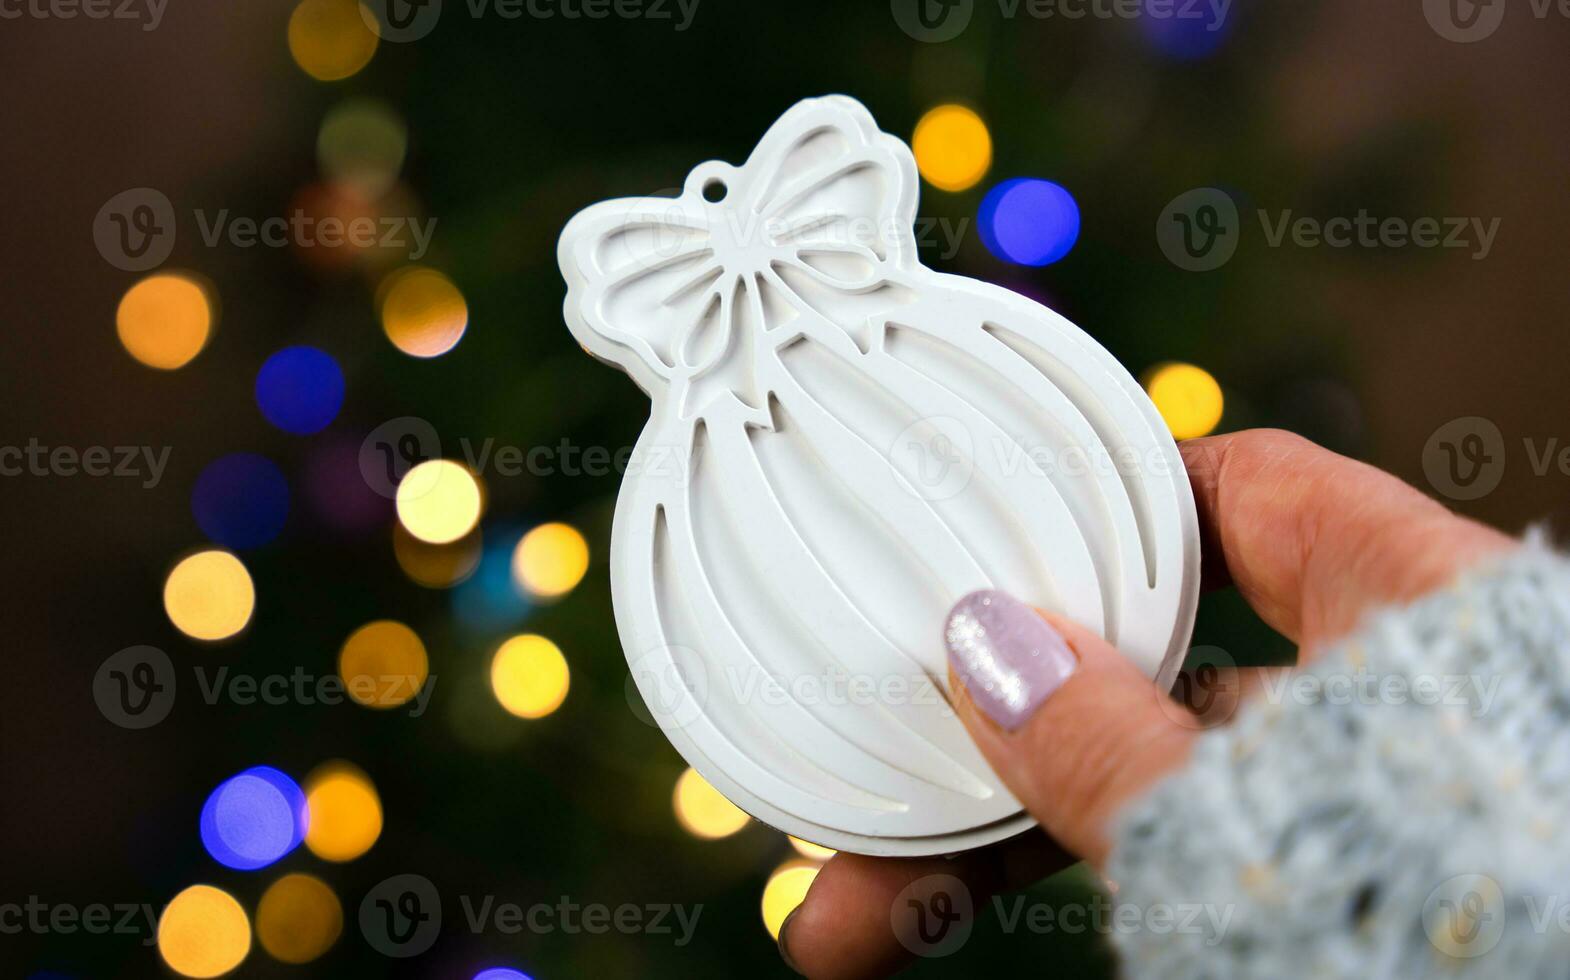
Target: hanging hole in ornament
x,y
714,190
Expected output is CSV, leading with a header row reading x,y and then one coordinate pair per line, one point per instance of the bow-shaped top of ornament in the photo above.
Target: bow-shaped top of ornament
x,y
813,229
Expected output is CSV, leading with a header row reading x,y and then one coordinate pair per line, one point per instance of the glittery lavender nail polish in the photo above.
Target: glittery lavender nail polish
x,y
1008,657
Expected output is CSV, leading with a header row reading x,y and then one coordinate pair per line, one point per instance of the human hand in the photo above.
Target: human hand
x,y
1312,540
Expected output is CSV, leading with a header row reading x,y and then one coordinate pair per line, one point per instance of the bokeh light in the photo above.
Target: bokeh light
x,y
383,664
1028,221
1188,398
438,566
353,217
529,676
165,319
300,390
329,39
703,811
422,311
203,932
551,560
1186,37
786,889
298,919
335,488
209,595
953,148
490,602
501,973
241,500
253,819
439,501
362,144
345,812
811,851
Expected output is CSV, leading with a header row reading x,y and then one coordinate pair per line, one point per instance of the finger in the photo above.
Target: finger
x,y
1312,539
847,925
1070,725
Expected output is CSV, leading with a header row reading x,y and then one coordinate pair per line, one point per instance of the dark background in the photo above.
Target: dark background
x,y
1322,107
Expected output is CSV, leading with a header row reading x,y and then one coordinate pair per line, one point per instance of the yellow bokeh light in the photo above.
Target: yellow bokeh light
x,y
383,664
439,501
422,311
811,851
550,560
437,566
786,889
298,919
529,676
703,811
344,812
331,39
209,596
1188,398
203,932
164,320
362,144
953,148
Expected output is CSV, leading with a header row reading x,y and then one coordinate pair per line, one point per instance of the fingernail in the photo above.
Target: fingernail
x,y
784,947
1009,658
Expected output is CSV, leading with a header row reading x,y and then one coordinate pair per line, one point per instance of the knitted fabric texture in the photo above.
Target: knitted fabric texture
x,y
1394,810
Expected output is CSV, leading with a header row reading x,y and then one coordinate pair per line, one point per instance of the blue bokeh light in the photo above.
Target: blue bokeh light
x,y
490,599
1187,35
241,500
300,390
1029,221
501,973
253,819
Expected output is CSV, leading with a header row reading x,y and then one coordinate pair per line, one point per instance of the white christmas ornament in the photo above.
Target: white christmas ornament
x,y
843,443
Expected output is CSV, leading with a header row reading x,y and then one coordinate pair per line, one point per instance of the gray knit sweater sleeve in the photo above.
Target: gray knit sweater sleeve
x,y
1398,810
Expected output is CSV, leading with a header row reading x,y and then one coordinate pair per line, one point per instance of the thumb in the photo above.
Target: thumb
x,y
1070,726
